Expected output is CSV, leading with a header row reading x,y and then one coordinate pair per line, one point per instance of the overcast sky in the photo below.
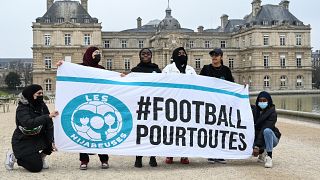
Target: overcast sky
x,y
16,17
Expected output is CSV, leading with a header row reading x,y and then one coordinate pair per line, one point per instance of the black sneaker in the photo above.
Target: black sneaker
x,y
138,163
153,162
222,161
211,160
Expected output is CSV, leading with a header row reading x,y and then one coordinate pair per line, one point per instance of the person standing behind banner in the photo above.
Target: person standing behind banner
x,y
146,66
218,70
179,65
33,133
91,58
267,135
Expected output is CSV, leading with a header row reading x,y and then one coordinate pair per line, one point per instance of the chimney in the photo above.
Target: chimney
x,y
49,3
224,20
200,29
256,6
84,4
139,20
284,4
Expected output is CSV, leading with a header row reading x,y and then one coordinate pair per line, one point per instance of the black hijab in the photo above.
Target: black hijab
x,y
180,61
28,93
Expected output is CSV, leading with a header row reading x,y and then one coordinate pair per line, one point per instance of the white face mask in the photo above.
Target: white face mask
x,y
263,105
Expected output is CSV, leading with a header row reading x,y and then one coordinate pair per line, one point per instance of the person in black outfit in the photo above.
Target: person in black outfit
x,y
91,58
32,139
267,135
218,70
146,66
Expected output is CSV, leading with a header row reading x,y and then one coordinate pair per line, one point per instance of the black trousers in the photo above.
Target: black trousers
x,y
33,162
85,157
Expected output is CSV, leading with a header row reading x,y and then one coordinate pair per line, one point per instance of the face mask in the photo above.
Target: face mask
x,y
39,100
97,58
182,59
263,105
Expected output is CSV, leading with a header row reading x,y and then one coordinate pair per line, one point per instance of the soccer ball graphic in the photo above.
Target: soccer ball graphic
x,y
96,121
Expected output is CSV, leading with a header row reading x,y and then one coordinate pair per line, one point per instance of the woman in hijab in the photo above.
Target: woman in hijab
x,y
179,65
267,135
91,58
146,66
32,139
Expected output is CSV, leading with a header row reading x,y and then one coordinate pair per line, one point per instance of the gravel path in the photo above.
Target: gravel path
x,y
296,157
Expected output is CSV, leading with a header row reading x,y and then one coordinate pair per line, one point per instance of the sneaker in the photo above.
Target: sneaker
x,y
184,160
268,163
169,160
211,160
262,157
83,165
10,160
104,165
153,162
44,163
222,161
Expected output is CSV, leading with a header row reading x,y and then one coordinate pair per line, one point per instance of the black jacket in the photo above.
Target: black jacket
x,y
263,120
222,73
146,68
28,116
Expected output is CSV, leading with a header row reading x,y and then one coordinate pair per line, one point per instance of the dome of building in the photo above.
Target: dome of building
x,y
169,22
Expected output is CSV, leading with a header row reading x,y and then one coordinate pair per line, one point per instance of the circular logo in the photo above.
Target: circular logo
x,y
96,120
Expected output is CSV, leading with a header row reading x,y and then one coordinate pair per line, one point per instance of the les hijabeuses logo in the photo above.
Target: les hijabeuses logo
x,y
96,120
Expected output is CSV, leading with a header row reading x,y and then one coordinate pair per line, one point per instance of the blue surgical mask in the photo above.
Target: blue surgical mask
x,y
263,105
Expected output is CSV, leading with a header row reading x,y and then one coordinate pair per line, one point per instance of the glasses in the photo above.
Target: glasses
x,y
96,52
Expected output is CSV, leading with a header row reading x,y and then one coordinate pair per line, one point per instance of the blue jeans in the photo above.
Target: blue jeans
x,y
270,139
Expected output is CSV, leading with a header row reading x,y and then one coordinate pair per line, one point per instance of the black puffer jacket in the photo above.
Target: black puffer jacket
x,y
28,117
263,120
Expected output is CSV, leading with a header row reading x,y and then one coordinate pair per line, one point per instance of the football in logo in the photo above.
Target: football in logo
x,y
96,120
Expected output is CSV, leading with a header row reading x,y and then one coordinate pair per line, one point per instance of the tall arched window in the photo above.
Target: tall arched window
x,y
283,81
48,85
266,81
299,81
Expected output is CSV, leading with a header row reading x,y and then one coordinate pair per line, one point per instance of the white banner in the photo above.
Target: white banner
x,y
151,114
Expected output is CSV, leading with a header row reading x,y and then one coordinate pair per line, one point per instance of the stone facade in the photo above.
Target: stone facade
x,y
269,49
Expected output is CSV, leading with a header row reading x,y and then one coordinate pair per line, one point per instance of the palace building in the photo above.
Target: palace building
x,y
269,49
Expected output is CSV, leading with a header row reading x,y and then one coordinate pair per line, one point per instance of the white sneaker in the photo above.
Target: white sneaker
x,y
262,157
104,165
44,163
268,163
10,160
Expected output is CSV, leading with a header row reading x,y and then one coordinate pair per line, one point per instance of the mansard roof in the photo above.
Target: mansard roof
x,y
66,11
273,14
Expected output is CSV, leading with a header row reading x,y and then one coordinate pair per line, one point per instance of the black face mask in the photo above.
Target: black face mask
x,y
183,60
39,100
97,58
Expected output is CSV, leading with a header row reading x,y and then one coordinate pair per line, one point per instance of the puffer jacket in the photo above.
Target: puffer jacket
x,y
267,119
29,117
